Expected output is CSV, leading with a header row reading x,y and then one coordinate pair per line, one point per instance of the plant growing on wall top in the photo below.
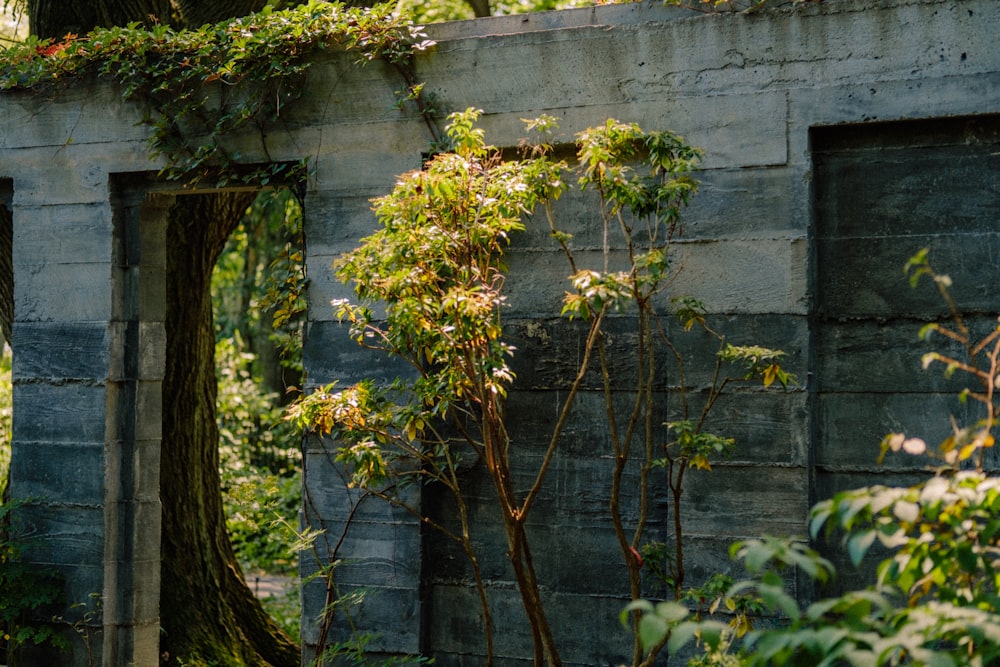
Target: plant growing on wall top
x,y
187,79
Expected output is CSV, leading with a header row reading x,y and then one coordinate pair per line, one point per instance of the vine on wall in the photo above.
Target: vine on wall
x,y
187,80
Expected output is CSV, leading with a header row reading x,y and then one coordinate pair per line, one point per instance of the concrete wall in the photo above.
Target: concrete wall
x,y
792,242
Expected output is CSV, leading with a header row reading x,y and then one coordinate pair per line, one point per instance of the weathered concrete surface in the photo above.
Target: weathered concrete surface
x,y
812,197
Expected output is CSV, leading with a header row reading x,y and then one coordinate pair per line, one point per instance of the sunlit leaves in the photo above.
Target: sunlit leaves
x,y
757,361
437,264
698,448
435,271
645,173
945,533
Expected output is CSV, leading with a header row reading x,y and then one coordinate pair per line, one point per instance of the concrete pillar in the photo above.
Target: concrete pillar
x,y
62,254
134,414
89,338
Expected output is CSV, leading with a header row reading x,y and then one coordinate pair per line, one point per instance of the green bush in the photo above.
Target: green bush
x,y
936,597
259,466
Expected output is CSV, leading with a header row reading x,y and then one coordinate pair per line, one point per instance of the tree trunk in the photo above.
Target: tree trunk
x,y
207,612
480,8
196,13
55,18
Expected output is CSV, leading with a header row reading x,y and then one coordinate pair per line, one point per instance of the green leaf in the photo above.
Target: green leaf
x,y
652,629
858,545
680,636
772,591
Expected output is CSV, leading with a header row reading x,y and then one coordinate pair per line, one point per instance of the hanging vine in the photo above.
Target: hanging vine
x,y
187,79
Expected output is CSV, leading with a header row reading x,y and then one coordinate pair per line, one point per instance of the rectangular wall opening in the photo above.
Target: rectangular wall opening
x,y
882,193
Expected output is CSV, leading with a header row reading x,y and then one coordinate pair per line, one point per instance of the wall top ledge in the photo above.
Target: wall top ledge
x,y
638,13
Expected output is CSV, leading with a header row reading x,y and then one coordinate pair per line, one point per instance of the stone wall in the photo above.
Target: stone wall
x,y
839,138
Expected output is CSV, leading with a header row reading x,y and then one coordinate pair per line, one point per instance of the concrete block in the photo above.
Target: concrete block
x,y
745,203
149,411
367,159
335,223
64,119
330,354
886,355
379,555
63,292
869,281
761,276
880,181
65,535
152,350
145,555
851,427
737,502
576,620
59,472
69,413
324,287
61,350
548,352
394,612
70,233
147,471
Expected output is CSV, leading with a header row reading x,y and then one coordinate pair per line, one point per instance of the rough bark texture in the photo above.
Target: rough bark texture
x,y
55,18
207,611
195,13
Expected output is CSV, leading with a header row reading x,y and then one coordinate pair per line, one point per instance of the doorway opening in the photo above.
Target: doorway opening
x,y
170,244
258,302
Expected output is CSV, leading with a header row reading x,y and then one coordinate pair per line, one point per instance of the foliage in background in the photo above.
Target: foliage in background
x,y
258,463
935,600
258,303
258,288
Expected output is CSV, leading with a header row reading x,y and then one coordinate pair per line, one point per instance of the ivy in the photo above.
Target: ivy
x,y
198,86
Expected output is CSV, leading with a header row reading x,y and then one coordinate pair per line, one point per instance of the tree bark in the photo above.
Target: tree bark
x,y
196,13
55,18
480,8
207,612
